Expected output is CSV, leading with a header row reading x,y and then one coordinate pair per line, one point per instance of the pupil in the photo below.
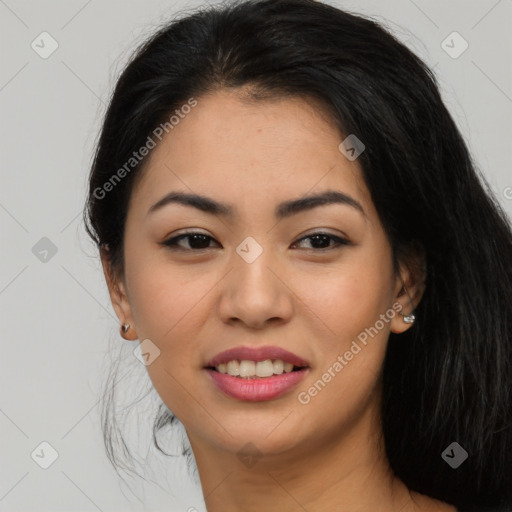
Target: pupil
x,y
198,238
316,238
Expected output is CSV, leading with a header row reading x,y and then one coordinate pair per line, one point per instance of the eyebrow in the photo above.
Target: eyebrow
x,y
283,210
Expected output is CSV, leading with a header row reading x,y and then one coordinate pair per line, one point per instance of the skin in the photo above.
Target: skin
x,y
326,455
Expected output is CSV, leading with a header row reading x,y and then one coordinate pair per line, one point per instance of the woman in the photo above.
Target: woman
x,y
291,225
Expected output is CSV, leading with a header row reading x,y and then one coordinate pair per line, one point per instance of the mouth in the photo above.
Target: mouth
x,y
256,374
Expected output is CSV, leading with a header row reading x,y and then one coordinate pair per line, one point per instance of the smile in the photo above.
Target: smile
x,y
256,374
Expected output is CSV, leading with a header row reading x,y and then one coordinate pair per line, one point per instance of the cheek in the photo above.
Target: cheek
x,y
347,304
169,309
165,300
349,362
347,300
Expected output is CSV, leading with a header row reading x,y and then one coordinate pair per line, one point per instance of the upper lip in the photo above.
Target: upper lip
x,y
256,354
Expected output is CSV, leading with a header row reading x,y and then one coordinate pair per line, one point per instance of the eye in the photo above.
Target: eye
x,y
197,241
323,240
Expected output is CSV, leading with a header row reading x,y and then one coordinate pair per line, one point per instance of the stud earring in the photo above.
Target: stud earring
x,y
408,319
125,328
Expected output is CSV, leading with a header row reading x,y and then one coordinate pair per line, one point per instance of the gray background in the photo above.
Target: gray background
x,y
58,329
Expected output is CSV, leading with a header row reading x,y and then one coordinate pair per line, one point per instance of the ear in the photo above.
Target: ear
x,y
410,285
118,296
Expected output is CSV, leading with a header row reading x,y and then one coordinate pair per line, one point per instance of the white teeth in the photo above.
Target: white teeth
x,y
278,366
288,367
248,369
233,368
264,368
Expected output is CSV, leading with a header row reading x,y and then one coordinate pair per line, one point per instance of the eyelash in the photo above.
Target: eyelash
x,y
172,243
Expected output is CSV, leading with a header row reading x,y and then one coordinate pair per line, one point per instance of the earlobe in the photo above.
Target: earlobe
x,y
408,319
128,332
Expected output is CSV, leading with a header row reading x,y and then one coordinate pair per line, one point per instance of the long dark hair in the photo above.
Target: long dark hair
x,y
448,379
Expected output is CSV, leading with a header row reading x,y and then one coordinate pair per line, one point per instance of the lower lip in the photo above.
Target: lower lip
x,y
256,390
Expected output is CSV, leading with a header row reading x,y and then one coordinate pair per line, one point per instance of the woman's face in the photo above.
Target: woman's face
x,y
256,280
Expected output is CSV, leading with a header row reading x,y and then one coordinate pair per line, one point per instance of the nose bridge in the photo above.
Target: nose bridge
x,y
254,294
251,261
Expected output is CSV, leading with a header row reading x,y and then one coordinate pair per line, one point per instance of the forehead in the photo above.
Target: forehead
x,y
233,148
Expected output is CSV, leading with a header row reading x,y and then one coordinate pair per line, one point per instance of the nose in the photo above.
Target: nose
x,y
256,293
